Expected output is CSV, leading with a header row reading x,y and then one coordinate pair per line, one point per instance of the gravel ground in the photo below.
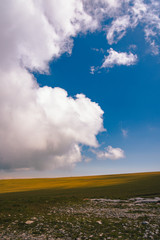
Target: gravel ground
x,y
137,218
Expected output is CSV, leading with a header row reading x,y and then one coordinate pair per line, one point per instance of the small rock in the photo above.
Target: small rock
x,y
99,222
145,222
29,222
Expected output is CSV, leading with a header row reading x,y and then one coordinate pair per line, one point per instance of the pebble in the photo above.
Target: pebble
x,y
145,222
99,222
29,222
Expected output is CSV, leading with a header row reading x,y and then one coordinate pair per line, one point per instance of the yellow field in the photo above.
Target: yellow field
x,y
21,185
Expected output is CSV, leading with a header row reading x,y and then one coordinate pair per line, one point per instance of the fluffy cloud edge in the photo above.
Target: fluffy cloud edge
x,y
119,58
111,153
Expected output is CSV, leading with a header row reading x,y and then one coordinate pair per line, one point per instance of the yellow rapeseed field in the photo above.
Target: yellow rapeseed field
x,y
21,185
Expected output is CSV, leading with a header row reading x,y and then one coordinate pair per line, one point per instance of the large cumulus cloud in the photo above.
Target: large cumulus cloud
x,y
41,127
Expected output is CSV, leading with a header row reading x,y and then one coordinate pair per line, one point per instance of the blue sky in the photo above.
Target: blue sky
x,y
128,95
48,133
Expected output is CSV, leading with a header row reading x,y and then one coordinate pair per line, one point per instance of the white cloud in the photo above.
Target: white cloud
x,y
118,29
111,153
119,58
131,14
34,32
92,70
41,127
154,47
149,36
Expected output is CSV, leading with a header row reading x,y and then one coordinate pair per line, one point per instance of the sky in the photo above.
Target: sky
x,y
79,88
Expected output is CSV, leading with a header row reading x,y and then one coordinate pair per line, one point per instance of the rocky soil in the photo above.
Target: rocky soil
x,y
136,218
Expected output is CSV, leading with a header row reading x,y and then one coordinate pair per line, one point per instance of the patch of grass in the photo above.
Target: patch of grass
x,y
36,195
